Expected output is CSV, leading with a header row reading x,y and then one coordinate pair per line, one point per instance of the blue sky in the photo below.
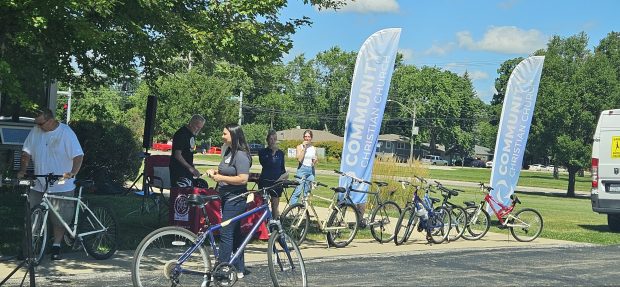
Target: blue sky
x,y
476,36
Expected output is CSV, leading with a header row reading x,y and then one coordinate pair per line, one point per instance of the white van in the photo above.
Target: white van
x,y
606,168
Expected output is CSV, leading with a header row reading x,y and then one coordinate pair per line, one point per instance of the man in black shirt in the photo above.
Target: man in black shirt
x,y
182,159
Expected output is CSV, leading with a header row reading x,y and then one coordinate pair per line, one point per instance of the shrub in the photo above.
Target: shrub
x,y
333,149
110,153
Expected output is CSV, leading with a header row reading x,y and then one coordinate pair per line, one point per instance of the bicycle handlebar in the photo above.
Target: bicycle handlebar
x,y
483,186
420,179
315,182
17,181
352,177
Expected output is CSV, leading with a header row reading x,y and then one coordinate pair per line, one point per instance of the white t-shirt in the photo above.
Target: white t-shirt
x,y
309,156
53,152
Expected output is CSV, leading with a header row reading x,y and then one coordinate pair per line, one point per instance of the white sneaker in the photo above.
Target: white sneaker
x,y
240,275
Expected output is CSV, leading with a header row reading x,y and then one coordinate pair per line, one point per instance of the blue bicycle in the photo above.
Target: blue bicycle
x,y
419,211
174,256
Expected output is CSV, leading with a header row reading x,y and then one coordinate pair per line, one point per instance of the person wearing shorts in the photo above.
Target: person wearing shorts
x,y
53,148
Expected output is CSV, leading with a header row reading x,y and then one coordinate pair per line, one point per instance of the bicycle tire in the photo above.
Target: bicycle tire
x,y
39,233
409,215
296,221
158,253
382,221
478,223
533,221
342,220
286,264
459,222
101,245
440,223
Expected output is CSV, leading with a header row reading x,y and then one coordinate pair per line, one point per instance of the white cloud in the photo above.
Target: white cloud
x,y
477,75
461,68
439,49
407,54
504,39
371,6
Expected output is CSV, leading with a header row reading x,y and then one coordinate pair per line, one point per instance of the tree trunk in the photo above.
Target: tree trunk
x,y
572,171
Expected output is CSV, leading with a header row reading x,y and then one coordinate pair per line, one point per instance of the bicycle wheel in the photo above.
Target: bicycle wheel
x,y
383,221
286,265
342,225
39,233
440,223
406,222
295,220
459,222
100,245
478,223
527,225
155,259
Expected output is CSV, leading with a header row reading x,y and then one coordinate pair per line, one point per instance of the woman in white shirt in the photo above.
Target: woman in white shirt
x,y
306,156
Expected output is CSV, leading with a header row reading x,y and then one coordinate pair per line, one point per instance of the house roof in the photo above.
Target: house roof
x,y
317,135
393,138
438,147
480,150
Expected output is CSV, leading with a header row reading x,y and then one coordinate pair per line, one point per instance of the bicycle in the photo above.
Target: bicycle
x,y
525,225
419,211
383,214
296,218
457,212
93,229
175,256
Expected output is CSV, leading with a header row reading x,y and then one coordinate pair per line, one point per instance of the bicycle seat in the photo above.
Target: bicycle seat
x,y
435,200
200,199
451,192
86,183
339,189
380,183
469,203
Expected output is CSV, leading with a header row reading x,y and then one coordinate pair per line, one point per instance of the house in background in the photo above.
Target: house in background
x,y
483,153
297,134
393,145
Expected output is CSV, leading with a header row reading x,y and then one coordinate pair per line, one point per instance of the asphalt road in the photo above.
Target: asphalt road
x,y
531,266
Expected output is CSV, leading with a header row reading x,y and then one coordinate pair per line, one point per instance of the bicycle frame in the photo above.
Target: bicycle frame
x,y
206,232
46,203
307,202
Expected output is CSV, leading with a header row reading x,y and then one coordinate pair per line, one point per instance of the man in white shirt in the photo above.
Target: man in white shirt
x,y
54,148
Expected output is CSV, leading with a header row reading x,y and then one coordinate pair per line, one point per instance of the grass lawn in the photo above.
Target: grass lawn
x,y
527,178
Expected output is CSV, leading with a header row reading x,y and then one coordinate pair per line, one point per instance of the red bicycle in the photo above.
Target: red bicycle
x,y
525,225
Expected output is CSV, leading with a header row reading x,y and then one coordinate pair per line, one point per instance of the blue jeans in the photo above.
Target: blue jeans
x,y
230,236
304,172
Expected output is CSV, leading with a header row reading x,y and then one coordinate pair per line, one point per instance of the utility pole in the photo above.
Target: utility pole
x,y
414,131
240,107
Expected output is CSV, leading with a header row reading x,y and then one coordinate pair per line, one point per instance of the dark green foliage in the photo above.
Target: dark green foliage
x,y
110,152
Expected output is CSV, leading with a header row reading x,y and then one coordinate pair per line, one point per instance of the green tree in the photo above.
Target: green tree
x,y
576,85
107,39
183,94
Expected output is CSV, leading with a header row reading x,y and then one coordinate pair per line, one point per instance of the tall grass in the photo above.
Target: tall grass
x,y
390,170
